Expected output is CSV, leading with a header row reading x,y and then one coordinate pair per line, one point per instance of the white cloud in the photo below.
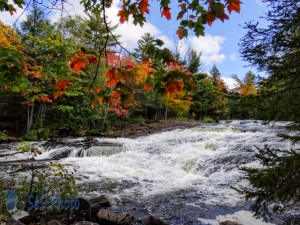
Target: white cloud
x,y
210,46
130,33
230,82
232,57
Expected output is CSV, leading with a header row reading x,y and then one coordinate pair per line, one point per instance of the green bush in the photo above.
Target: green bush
x,y
3,135
207,119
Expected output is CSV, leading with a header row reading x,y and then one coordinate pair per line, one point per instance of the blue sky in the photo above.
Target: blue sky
x,y
219,46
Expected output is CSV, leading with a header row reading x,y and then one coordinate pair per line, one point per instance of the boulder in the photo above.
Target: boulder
x,y
85,223
84,211
12,221
108,217
54,222
229,223
154,220
98,203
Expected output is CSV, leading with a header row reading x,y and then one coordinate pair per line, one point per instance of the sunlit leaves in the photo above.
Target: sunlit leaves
x,y
233,5
166,12
78,64
112,77
174,86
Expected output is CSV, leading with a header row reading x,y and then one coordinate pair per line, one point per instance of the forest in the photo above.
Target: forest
x,y
70,78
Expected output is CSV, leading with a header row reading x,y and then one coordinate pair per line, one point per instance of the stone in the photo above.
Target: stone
x,y
229,223
12,221
84,211
19,214
154,220
108,217
98,203
125,219
85,223
54,222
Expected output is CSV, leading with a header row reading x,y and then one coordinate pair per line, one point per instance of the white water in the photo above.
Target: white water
x,y
205,158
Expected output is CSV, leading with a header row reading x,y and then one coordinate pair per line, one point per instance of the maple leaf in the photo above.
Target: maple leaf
x,y
179,33
55,96
144,6
166,13
45,99
92,59
80,54
77,64
147,87
175,86
233,5
11,12
112,77
123,15
210,18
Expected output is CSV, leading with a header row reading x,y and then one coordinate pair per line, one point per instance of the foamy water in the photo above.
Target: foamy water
x,y
205,159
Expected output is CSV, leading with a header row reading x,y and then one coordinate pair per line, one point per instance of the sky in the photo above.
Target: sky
x,y
218,47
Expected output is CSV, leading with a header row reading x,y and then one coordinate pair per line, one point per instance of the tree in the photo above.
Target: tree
x,y
193,61
275,49
89,33
192,15
215,73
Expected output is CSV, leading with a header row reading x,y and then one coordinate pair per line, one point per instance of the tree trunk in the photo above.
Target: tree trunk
x,y
30,111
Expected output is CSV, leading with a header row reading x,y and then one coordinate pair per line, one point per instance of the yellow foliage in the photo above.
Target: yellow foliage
x,y
142,72
179,101
8,37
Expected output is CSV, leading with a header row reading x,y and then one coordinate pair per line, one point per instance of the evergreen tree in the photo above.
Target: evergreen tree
x,y
215,73
193,61
144,43
89,33
275,49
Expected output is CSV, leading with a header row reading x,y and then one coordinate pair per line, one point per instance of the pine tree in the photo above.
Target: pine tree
x,y
215,73
193,61
275,49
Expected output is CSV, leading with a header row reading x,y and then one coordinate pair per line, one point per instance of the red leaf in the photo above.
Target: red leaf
x,y
11,11
210,19
80,53
112,77
233,5
147,87
123,15
166,13
92,59
78,64
56,95
175,86
144,6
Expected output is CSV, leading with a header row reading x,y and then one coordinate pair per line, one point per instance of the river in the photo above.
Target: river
x,y
184,175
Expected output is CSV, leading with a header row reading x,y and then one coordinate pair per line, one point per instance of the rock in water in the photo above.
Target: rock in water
x,y
154,220
54,222
229,223
108,217
98,203
85,223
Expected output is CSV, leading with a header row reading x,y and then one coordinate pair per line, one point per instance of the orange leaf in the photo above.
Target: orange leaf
x,y
179,33
175,86
46,99
123,15
101,100
56,95
147,87
144,6
78,64
166,13
80,53
233,5
93,106
98,90
112,78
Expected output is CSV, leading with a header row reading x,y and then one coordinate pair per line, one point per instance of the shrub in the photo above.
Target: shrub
x,y
207,119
